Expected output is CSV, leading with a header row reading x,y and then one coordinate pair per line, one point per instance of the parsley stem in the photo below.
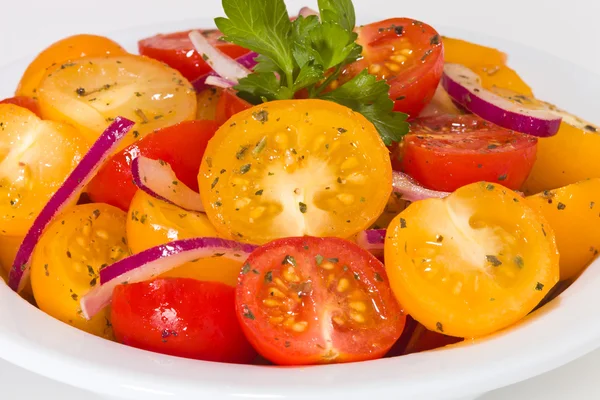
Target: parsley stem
x,y
317,91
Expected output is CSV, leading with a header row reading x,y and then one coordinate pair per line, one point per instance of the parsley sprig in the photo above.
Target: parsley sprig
x,y
307,54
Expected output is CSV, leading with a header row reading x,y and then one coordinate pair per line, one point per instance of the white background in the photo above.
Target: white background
x,y
568,29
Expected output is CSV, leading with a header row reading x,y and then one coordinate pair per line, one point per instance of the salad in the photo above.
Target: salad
x,y
291,190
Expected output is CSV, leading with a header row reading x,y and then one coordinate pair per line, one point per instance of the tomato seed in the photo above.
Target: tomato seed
x,y
289,275
374,69
399,59
358,306
300,326
327,266
350,163
102,234
276,292
357,317
271,303
343,285
338,320
345,198
276,320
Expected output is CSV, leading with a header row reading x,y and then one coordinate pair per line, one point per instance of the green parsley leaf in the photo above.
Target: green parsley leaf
x,y
262,85
338,11
368,96
262,26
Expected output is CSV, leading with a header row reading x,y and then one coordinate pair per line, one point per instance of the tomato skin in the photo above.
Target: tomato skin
x,y
176,50
314,335
408,54
443,156
26,102
180,317
228,105
181,145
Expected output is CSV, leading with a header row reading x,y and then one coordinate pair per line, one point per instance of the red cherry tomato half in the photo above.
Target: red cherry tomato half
x,y
26,102
177,51
181,317
449,151
228,105
181,145
308,300
408,54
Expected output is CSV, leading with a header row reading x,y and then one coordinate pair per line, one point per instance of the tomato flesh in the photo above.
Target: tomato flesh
x,y
408,54
473,263
181,145
228,105
177,51
181,317
23,101
449,151
67,260
152,222
293,168
317,300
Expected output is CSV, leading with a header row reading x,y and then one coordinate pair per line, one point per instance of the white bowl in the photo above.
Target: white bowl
x,y
554,335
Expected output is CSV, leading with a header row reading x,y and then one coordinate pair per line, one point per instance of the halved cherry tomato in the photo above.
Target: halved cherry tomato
x,y
89,93
181,145
422,339
61,53
36,157
573,212
487,62
181,317
294,168
450,151
472,263
207,103
152,222
177,51
317,300
26,102
228,105
408,54
67,260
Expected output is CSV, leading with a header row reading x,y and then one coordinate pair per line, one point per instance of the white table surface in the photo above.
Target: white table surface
x,y
568,29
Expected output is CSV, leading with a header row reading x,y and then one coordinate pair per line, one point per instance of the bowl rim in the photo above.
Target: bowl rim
x,y
550,337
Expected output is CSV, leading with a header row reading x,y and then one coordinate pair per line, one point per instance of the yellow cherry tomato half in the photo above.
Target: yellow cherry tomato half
x,y
67,260
62,52
9,245
487,62
568,157
152,222
36,156
473,263
89,93
294,168
207,103
573,212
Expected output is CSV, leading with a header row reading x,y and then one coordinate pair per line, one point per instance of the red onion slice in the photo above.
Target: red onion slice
x,y
372,240
106,144
410,190
217,81
464,86
220,62
247,60
156,261
158,180
307,12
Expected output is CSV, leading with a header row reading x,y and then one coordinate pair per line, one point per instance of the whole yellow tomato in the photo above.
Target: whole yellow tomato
x,y
152,222
573,212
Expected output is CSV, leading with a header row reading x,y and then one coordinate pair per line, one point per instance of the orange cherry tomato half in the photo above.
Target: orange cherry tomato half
x,y
60,53
26,102
308,300
450,151
181,145
181,317
177,51
408,54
